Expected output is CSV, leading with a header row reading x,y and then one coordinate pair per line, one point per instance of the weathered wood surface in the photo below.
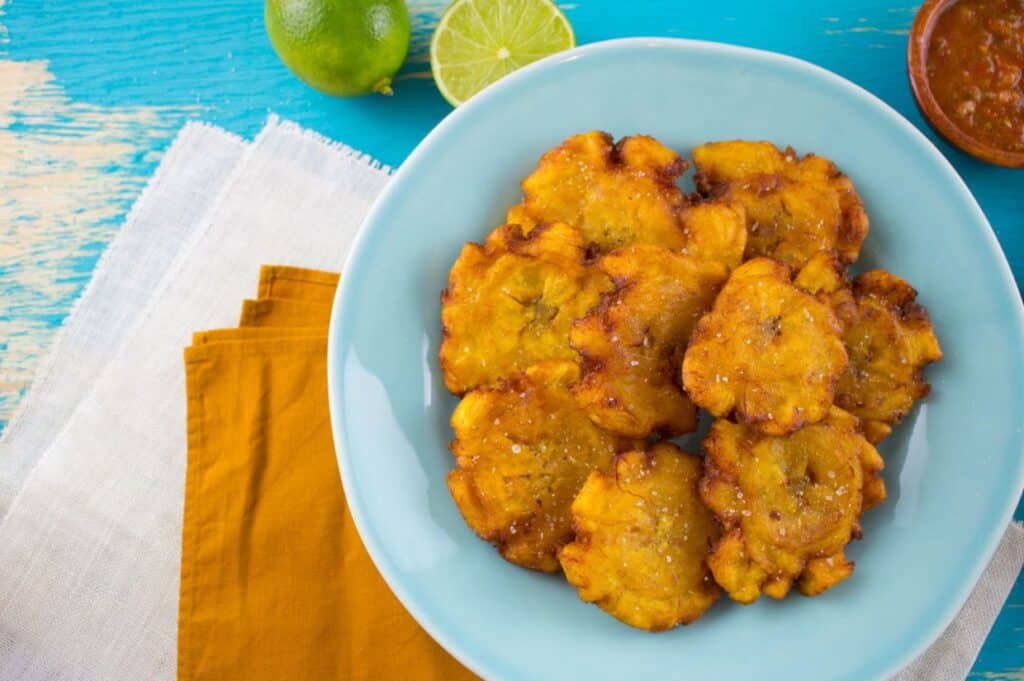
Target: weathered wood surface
x,y
91,92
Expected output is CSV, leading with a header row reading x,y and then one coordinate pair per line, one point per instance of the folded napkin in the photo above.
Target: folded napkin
x,y
275,582
90,548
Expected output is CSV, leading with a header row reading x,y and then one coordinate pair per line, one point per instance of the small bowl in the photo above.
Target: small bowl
x,y
917,53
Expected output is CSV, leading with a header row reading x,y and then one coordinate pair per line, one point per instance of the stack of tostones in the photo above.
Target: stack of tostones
x,y
610,308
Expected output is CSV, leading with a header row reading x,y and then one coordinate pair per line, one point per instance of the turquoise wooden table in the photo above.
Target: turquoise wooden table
x,y
91,92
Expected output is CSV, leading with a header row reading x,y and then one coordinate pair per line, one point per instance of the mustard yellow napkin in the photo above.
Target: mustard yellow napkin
x,y
296,283
275,582
284,312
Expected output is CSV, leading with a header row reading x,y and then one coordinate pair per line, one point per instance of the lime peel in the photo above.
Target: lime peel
x,y
340,47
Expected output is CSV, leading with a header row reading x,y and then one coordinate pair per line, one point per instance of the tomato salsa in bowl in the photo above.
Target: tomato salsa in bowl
x,y
966,64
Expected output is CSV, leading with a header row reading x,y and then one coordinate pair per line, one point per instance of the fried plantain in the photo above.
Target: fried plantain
x,y
715,231
632,343
642,540
767,351
523,450
788,505
890,340
888,337
821,276
616,194
795,206
510,303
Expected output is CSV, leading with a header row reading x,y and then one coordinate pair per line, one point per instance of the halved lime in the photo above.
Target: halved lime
x,y
479,41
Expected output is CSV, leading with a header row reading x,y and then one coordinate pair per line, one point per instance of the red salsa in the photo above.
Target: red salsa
x,y
975,62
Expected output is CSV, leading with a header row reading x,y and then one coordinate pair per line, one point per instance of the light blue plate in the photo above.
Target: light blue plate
x,y
954,468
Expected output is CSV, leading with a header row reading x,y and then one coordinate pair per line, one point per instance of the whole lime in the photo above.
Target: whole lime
x,y
341,47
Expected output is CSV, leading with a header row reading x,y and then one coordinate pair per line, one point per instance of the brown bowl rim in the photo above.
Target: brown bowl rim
x,y
917,46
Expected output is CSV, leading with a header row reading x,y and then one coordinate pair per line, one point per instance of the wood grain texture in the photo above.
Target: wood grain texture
x,y
69,170
91,91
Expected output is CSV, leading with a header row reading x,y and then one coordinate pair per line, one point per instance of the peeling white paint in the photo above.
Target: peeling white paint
x,y
1007,675
415,75
424,15
867,29
68,172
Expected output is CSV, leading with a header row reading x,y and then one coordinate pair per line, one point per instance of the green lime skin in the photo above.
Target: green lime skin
x,y
344,48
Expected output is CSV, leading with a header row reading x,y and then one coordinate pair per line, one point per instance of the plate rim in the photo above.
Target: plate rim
x,y
394,186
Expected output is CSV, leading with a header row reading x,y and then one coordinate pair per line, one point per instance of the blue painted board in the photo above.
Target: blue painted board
x,y
92,90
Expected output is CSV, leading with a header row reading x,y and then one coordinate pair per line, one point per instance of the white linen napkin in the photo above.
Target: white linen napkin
x,y
90,548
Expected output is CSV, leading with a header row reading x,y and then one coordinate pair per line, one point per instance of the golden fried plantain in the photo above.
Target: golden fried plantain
x,y
789,505
889,339
767,351
510,303
616,194
795,206
821,276
523,450
642,540
632,343
715,231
